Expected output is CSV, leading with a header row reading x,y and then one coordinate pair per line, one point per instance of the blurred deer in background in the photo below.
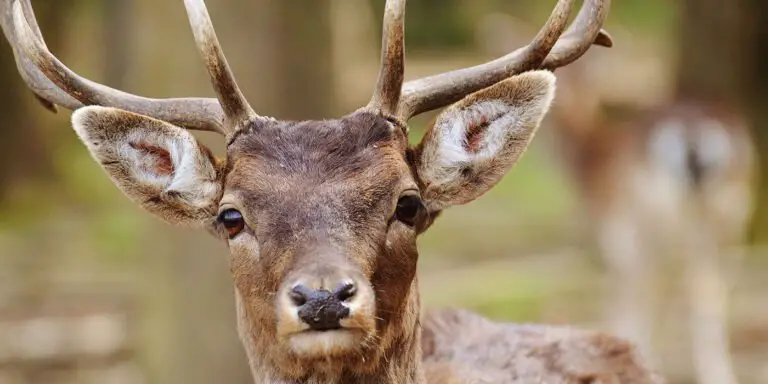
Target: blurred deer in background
x,y
321,217
665,184
667,187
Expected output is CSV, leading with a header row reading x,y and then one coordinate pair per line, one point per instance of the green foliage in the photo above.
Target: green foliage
x,y
116,233
650,16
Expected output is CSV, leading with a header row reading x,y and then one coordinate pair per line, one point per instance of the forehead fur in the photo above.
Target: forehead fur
x,y
319,149
314,175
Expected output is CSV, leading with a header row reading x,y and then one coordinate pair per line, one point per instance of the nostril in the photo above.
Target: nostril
x,y
299,295
345,292
297,299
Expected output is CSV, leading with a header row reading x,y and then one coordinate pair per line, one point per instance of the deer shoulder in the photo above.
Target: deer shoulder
x,y
462,347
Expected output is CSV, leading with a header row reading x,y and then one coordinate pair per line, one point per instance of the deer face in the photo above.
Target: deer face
x,y
321,217
325,216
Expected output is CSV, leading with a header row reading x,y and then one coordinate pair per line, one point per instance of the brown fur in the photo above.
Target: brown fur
x,y
461,346
354,168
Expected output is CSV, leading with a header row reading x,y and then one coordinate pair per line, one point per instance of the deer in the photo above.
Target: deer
x,y
666,187
321,217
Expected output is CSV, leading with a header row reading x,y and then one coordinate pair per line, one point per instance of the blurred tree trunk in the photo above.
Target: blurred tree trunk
x,y
16,143
292,43
712,43
118,47
723,56
354,51
24,156
757,95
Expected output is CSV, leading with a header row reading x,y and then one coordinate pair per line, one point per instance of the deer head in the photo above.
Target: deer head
x,y
321,217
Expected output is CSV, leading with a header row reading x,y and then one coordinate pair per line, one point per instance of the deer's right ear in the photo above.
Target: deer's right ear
x,y
475,141
158,165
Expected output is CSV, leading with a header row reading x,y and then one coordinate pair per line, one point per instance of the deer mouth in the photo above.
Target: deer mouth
x,y
327,342
348,335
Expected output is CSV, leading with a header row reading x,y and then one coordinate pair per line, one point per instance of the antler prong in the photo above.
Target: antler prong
x,y
55,84
52,82
583,33
389,83
546,50
604,39
235,106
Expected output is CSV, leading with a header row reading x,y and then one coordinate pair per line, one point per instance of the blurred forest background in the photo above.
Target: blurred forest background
x,y
156,301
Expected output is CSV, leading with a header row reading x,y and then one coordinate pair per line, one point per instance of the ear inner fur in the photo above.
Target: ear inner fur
x,y
158,165
474,142
162,158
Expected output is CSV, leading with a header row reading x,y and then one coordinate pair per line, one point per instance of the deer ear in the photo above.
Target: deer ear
x,y
474,142
157,165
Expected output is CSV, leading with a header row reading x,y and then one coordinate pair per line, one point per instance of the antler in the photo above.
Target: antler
x,y
584,32
55,84
235,106
387,94
546,50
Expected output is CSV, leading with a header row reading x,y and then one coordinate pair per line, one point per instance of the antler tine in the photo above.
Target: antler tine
x,y
386,96
584,32
435,91
236,107
604,39
37,82
55,84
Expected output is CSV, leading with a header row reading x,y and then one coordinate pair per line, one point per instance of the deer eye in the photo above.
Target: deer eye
x,y
232,221
408,209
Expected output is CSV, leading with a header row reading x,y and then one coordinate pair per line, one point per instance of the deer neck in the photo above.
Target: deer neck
x,y
395,360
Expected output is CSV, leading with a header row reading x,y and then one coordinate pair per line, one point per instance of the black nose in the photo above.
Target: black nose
x,y
322,309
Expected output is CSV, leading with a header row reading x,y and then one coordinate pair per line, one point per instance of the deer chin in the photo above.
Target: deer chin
x,y
331,343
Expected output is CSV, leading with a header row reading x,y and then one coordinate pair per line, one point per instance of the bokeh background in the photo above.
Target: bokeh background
x,y
93,290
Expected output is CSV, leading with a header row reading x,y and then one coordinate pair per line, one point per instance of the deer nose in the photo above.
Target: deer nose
x,y
321,309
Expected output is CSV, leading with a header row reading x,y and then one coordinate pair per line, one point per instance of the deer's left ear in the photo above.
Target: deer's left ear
x,y
474,142
160,166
